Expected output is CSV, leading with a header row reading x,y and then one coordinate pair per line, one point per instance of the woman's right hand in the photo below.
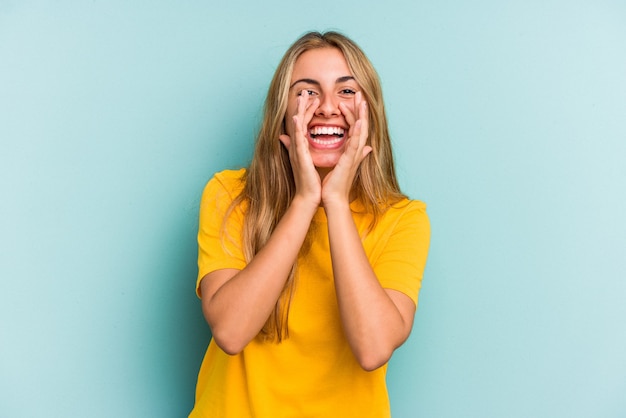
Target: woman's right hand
x,y
237,303
306,177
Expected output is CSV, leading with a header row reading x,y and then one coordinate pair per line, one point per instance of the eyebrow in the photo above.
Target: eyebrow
x,y
317,83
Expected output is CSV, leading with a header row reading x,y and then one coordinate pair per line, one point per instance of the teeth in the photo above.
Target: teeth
x,y
327,142
326,130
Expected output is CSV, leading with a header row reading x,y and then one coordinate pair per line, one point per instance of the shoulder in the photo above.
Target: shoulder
x,y
229,179
223,188
405,217
407,209
228,182
402,217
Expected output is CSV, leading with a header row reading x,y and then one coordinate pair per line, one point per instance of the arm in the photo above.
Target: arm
x,y
237,303
375,320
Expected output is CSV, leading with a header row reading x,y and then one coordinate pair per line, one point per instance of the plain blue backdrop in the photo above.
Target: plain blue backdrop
x,y
508,119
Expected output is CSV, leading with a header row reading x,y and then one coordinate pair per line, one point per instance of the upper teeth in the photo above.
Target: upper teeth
x,y
326,130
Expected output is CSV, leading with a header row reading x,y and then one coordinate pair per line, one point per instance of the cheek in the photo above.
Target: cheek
x,y
289,129
292,106
288,124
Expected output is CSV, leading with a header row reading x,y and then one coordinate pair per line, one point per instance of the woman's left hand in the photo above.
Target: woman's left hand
x,y
338,183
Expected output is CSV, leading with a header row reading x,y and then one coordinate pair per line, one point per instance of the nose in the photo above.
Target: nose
x,y
329,106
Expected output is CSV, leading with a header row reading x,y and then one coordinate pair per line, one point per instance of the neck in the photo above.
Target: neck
x,y
323,172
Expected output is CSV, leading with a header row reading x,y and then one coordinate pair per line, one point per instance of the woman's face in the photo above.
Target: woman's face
x,y
323,73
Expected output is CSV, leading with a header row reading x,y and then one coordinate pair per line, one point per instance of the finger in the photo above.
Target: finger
x,y
298,117
310,110
306,110
305,104
364,118
300,130
352,115
302,102
300,143
349,115
358,140
354,141
358,99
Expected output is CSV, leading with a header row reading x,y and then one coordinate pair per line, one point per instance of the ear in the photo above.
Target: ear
x,y
285,139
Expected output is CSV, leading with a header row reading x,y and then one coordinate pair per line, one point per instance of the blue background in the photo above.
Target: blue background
x,y
508,119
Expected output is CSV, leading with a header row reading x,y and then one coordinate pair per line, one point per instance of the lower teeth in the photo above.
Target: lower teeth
x,y
328,142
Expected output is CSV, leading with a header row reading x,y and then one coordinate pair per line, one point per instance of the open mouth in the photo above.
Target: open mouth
x,y
326,135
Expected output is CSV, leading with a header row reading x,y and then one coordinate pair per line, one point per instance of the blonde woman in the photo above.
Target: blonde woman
x,y
311,260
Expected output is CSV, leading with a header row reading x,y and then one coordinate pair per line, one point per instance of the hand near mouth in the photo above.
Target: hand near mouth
x,y
306,177
338,183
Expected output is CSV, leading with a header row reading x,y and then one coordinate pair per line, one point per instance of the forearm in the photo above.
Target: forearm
x,y
240,306
373,324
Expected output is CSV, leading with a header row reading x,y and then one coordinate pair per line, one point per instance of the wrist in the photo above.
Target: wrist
x,y
336,205
305,205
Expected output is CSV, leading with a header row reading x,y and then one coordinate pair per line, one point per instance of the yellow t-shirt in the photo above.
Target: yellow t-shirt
x,y
313,373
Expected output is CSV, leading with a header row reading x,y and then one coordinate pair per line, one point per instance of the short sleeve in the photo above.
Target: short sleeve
x,y
403,249
219,242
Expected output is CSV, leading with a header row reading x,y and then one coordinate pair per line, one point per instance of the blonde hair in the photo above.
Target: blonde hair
x,y
269,184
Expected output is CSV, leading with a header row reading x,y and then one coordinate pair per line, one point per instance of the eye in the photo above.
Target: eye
x,y
309,92
347,91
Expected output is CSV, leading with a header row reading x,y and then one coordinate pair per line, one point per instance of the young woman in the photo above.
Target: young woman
x,y
311,260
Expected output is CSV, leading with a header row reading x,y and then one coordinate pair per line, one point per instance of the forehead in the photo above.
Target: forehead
x,y
320,64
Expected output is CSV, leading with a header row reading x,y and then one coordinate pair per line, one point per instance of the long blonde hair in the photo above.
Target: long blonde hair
x,y
269,184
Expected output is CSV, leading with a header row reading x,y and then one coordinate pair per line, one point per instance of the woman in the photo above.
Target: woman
x,y
311,260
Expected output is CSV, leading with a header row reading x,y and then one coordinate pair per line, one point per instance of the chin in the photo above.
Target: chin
x,y
327,159
327,162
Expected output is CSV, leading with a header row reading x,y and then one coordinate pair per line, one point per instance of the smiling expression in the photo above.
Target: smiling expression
x,y
324,74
